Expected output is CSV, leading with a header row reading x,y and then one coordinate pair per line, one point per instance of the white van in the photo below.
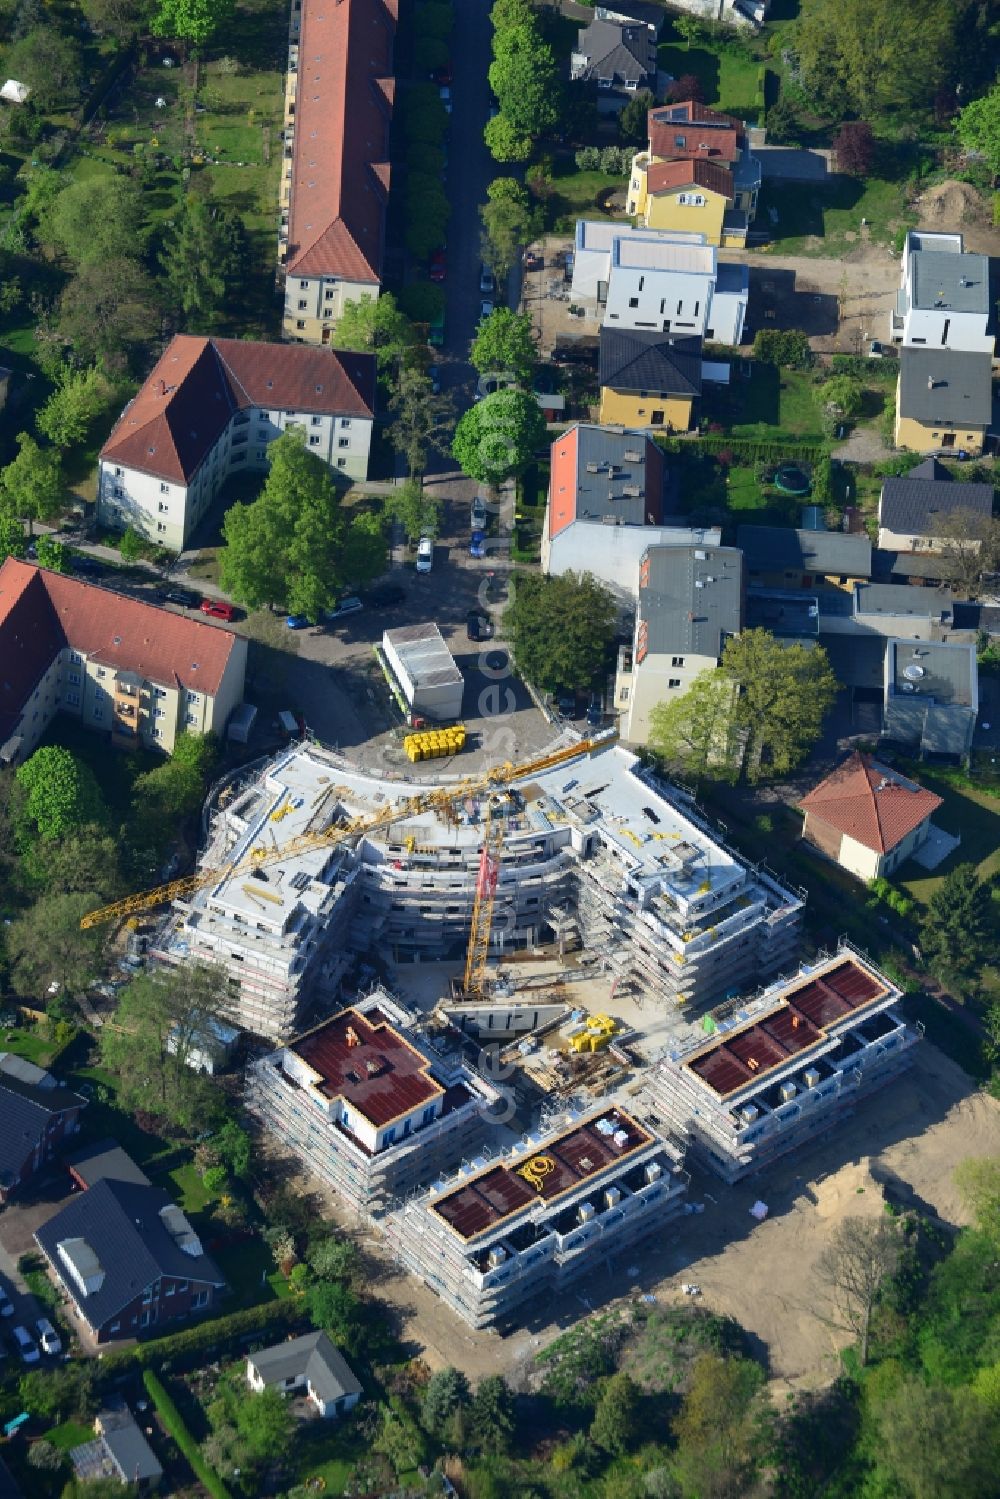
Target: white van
x,y
425,554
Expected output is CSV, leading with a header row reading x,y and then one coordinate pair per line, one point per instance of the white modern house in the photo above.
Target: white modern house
x,y
944,297
210,409
310,1366
664,280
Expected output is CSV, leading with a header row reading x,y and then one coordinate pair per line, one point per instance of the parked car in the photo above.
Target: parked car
x,y
218,609
82,564
6,1305
31,552
383,596
350,604
478,626
533,261
425,554
297,622
439,265
26,1345
485,307
443,74
434,376
444,94
877,350
595,712
48,1337
479,513
485,280
180,596
477,546
566,704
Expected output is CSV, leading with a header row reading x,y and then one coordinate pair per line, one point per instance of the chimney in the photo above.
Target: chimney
x,y
930,382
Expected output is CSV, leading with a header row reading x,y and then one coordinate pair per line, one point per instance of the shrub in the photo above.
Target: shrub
x,y
788,348
588,159
172,1420
216,1336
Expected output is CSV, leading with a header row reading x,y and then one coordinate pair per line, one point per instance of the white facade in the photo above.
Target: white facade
x,y
943,300
613,553
641,685
425,671
167,512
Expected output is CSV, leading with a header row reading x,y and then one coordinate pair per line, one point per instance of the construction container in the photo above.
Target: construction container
x,y
434,744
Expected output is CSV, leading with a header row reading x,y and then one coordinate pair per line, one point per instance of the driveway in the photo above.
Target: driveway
x,y
18,1222
789,164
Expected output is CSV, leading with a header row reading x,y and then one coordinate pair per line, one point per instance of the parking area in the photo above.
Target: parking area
x,y
18,1223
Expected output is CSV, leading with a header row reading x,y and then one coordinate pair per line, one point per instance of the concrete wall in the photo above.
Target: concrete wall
x,y
654,680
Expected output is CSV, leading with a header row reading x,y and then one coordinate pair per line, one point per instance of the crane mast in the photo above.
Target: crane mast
x,y
482,910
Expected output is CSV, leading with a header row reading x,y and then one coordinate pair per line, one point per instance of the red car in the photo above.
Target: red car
x,y
218,609
443,75
439,265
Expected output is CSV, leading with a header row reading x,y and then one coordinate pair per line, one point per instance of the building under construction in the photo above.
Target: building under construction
x,y
589,852
368,1107
785,1068
564,1201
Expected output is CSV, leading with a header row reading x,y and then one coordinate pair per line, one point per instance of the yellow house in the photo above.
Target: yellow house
x,y
648,379
694,197
944,401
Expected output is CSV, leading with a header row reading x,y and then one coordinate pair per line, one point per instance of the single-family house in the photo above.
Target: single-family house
x,y
339,95
648,379
122,667
943,300
119,1451
697,175
930,696
782,557
37,1116
211,408
689,602
868,818
605,506
617,53
927,510
944,401
128,1260
310,1364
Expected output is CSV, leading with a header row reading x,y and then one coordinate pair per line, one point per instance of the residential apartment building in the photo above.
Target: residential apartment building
x,y
944,400
368,1106
696,175
943,300
339,96
210,409
127,1259
930,696
605,506
554,1209
868,818
927,509
690,601
37,1116
139,674
670,282
780,557
648,379
786,1067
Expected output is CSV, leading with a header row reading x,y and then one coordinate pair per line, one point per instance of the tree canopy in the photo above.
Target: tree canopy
x,y
191,20
95,218
561,629
499,436
505,341
875,55
422,421
960,929
31,485
978,128
379,328
61,793
525,78
509,222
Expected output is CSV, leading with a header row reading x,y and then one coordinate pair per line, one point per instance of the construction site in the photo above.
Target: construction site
x,y
503,1010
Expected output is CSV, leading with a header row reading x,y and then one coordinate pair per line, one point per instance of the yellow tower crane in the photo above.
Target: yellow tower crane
x,y
482,910
354,827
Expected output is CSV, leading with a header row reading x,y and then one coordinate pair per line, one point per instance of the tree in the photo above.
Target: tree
x,y
939,1443
561,629
784,693
52,554
335,1259
971,542
696,733
95,219
123,19
506,14
108,310
854,145
60,792
717,1427
416,511
84,859
843,396
430,53
447,1391
633,119
491,1414
51,64
978,128
191,20
162,798
427,213
978,1181
499,436
158,1007
505,141
13,542
423,301
505,341
46,946
509,221
687,86
364,554
788,348
615,1426
191,262
334,1308
525,79
423,420
379,328
862,1255
32,483
959,930
232,1143
71,410
875,55
58,1394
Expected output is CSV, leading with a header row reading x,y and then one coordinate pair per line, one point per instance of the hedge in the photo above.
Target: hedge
x,y
174,1422
746,450
275,1317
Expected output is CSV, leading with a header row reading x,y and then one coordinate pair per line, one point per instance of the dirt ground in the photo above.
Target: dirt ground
x,y
955,205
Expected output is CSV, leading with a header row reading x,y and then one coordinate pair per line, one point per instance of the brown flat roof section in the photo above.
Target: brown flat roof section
x,y
798,1022
370,1066
556,1168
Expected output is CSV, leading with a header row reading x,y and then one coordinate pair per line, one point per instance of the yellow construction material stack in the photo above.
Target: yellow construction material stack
x,y
434,744
600,1029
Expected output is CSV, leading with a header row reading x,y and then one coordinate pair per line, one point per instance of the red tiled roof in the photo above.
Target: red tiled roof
x,y
672,176
340,152
562,480
381,1075
42,612
722,134
870,803
199,383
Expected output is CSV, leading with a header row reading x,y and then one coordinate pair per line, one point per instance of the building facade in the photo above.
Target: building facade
x,y
140,674
37,1117
943,300
868,818
210,409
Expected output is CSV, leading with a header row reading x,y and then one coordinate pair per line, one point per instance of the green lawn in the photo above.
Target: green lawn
x,y
28,1044
729,81
328,1453
100,1119
771,403
577,193
826,220
976,816
68,1435
186,1187
251,1274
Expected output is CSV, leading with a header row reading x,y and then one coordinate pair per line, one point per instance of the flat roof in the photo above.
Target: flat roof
x,y
422,651
902,599
559,1165
364,1060
956,283
942,670
811,1006
948,386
